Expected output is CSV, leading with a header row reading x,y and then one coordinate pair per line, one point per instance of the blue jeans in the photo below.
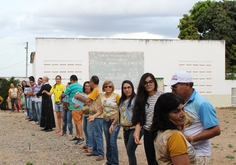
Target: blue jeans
x,y
38,108
67,120
34,114
27,106
131,145
149,148
87,131
111,142
98,148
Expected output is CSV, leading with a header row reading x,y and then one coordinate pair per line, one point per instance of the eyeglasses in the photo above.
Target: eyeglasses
x,y
87,86
128,87
148,83
175,87
108,86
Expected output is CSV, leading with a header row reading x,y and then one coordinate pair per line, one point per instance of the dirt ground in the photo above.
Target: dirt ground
x,y
16,134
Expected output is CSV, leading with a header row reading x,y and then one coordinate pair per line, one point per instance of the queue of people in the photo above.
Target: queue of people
x,y
177,127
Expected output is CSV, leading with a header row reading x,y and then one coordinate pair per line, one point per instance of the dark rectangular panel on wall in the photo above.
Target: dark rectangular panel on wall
x,y
117,66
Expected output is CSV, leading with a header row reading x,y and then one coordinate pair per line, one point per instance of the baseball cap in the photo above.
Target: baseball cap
x,y
180,77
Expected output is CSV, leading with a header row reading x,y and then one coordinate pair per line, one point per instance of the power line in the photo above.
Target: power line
x,y
11,57
10,47
12,65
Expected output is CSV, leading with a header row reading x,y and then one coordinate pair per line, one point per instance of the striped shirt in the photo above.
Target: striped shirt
x,y
149,110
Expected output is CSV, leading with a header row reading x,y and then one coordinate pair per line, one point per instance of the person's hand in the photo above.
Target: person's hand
x,y
188,138
44,91
91,118
59,102
136,136
111,129
27,96
75,106
77,96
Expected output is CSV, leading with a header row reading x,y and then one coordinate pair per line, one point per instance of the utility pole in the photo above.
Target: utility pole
x,y
26,74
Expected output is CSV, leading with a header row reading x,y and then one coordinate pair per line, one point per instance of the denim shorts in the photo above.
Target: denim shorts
x,y
58,107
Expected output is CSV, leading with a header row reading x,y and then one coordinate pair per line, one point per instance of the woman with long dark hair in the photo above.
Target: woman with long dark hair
x,y
87,126
166,131
125,106
146,98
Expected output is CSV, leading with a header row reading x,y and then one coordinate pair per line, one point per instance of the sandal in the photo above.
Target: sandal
x,y
88,151
57,132
85,147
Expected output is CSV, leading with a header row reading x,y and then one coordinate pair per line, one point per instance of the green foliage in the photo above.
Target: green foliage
x,y
230,146
29,163
4,87
230,157
211,20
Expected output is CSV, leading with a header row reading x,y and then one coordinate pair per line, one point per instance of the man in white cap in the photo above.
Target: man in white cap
x,y
201,121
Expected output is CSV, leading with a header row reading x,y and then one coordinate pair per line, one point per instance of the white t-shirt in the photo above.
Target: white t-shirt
x,y
149,110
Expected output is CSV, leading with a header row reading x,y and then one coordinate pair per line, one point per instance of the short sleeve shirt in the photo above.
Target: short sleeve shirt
x,y
57,90
109,104
71,90
200,115
13,92
94,103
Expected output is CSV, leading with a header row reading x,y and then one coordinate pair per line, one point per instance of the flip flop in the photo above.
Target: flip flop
x,y
57,132
85,147
87,151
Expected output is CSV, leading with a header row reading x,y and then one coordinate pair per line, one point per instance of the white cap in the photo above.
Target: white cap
x,y
180,77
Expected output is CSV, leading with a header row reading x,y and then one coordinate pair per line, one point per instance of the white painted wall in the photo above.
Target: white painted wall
x,y
161,57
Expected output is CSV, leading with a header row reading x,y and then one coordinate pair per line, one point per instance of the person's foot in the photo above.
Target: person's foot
x,y
57,131
31,120
62,134
90,154
44,129
48,130
80,141
70,136
88,151
99,158
75,138
85,147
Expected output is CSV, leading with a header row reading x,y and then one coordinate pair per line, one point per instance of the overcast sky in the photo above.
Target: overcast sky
x,y
23,21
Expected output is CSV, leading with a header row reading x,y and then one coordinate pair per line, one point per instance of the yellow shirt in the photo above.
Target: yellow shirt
x,y
176,145
1,98
57,90
94,103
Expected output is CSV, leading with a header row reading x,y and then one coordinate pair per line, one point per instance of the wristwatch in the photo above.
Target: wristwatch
x,y
191,140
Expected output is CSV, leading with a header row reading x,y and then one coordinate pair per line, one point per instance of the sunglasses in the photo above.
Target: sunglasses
x,y
147,83
175,87
108,86
128,87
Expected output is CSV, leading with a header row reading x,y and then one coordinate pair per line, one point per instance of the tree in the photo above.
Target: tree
x,y
210,20
4,87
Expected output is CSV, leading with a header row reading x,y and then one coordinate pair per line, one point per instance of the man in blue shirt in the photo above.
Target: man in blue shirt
x,y
201,121
77,114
